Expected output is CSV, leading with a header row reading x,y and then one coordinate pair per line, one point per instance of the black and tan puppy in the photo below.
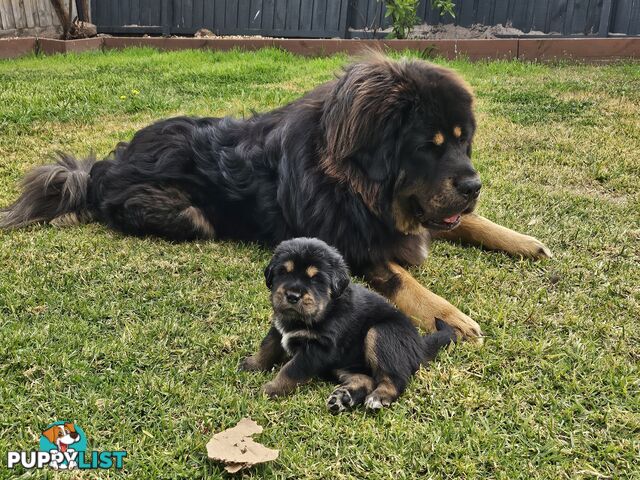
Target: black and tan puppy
x,y
328,327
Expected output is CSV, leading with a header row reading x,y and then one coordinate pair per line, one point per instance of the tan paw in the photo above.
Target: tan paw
x,y
249,364
530,247
275,389
465,326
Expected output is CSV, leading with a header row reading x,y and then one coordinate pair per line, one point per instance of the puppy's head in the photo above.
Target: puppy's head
x,y
62,435
400,133
304,275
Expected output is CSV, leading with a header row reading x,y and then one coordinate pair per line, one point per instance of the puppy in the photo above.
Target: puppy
x,y
62,436
325,326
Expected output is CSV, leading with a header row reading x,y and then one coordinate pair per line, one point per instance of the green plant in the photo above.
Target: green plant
x,y
403,15
445,7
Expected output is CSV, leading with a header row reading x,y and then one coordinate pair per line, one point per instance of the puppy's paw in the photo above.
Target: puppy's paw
x,y
249,364
375,401
530,247
340,400
274,389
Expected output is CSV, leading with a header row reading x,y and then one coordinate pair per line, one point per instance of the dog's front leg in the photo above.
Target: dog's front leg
x,y
269,354
419,303
304,365
479,231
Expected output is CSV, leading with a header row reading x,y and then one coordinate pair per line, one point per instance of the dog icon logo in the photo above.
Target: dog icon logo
x,y
64,438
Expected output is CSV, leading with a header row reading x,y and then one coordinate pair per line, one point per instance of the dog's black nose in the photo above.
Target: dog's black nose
x,y
293,297
74,435
469,186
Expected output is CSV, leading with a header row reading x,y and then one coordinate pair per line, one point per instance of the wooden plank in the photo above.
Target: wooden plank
x,y
197,16
207,14
18,13
134,12
30,13
567,23
244,13
539,17
557,9
231,14
333,15
42,13
6,11
293,15
634,20
579,16
219,9
319,12
255,12
306,14
520,14
466,14
621,16
279,14
187,13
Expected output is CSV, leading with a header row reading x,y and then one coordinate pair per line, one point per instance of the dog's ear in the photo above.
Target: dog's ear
x,y
339,279
363,114
51,434
268,275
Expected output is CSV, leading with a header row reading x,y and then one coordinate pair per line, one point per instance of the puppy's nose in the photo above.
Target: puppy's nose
x,y
74,435
468,186
293,297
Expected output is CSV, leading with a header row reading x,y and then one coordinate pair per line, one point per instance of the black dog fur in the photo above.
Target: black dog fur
x,y
328,327
366,162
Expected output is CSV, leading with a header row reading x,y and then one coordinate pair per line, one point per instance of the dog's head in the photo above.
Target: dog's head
x,y
400,134
62,435
303,276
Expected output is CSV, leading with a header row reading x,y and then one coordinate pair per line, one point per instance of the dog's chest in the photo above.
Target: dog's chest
x,y
293,338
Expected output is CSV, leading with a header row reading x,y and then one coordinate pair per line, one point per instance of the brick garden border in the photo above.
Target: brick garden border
x,y
598,50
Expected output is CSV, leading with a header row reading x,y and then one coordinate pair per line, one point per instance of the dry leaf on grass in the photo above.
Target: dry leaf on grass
x,y
237,450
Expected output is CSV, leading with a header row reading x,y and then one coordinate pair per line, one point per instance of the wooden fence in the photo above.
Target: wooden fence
x,y
29,17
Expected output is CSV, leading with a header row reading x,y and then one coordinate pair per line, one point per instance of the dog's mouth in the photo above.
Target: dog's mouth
x,y
444,223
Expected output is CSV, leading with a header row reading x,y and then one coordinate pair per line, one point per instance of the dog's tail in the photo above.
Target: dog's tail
x,y
434,342
54,193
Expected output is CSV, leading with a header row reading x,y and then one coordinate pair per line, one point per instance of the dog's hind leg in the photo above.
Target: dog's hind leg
x,y
392,362
160,211
353,389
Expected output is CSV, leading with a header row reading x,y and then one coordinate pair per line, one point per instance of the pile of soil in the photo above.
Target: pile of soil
x,y
452,32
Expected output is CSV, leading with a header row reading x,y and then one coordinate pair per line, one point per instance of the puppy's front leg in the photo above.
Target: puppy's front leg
x,y
419,303
305,364
269,354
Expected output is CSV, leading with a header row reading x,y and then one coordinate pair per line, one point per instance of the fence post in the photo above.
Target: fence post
x,y
166,18
605,18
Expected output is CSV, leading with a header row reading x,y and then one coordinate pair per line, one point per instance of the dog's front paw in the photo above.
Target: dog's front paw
x,y
249,364
274,389
466,328
375,401
530,247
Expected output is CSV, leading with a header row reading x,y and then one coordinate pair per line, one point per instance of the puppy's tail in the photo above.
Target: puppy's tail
x,y
436,341
54,193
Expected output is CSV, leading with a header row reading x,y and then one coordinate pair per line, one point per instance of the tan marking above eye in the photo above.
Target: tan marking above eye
x,y
312,271
438,138
288,266
457,132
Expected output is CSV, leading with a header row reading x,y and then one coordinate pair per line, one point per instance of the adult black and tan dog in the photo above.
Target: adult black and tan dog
x,y
325,326
376,163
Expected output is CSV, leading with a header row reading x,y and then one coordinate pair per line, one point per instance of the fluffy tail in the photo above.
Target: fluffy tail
x,y
52,193
436,341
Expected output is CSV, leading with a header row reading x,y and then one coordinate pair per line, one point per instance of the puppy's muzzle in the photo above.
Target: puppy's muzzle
x,y
292,297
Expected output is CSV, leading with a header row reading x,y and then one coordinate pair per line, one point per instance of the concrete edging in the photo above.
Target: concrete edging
x,y
545,49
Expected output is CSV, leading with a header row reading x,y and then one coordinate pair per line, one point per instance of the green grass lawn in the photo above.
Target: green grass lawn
x,y
137,340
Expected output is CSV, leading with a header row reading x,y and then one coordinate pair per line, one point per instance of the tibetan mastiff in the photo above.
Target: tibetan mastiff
x,y
325,326
376,163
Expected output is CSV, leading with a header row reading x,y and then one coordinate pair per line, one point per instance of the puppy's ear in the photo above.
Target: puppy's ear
x,y
363,114
268,273
51,434
339,281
